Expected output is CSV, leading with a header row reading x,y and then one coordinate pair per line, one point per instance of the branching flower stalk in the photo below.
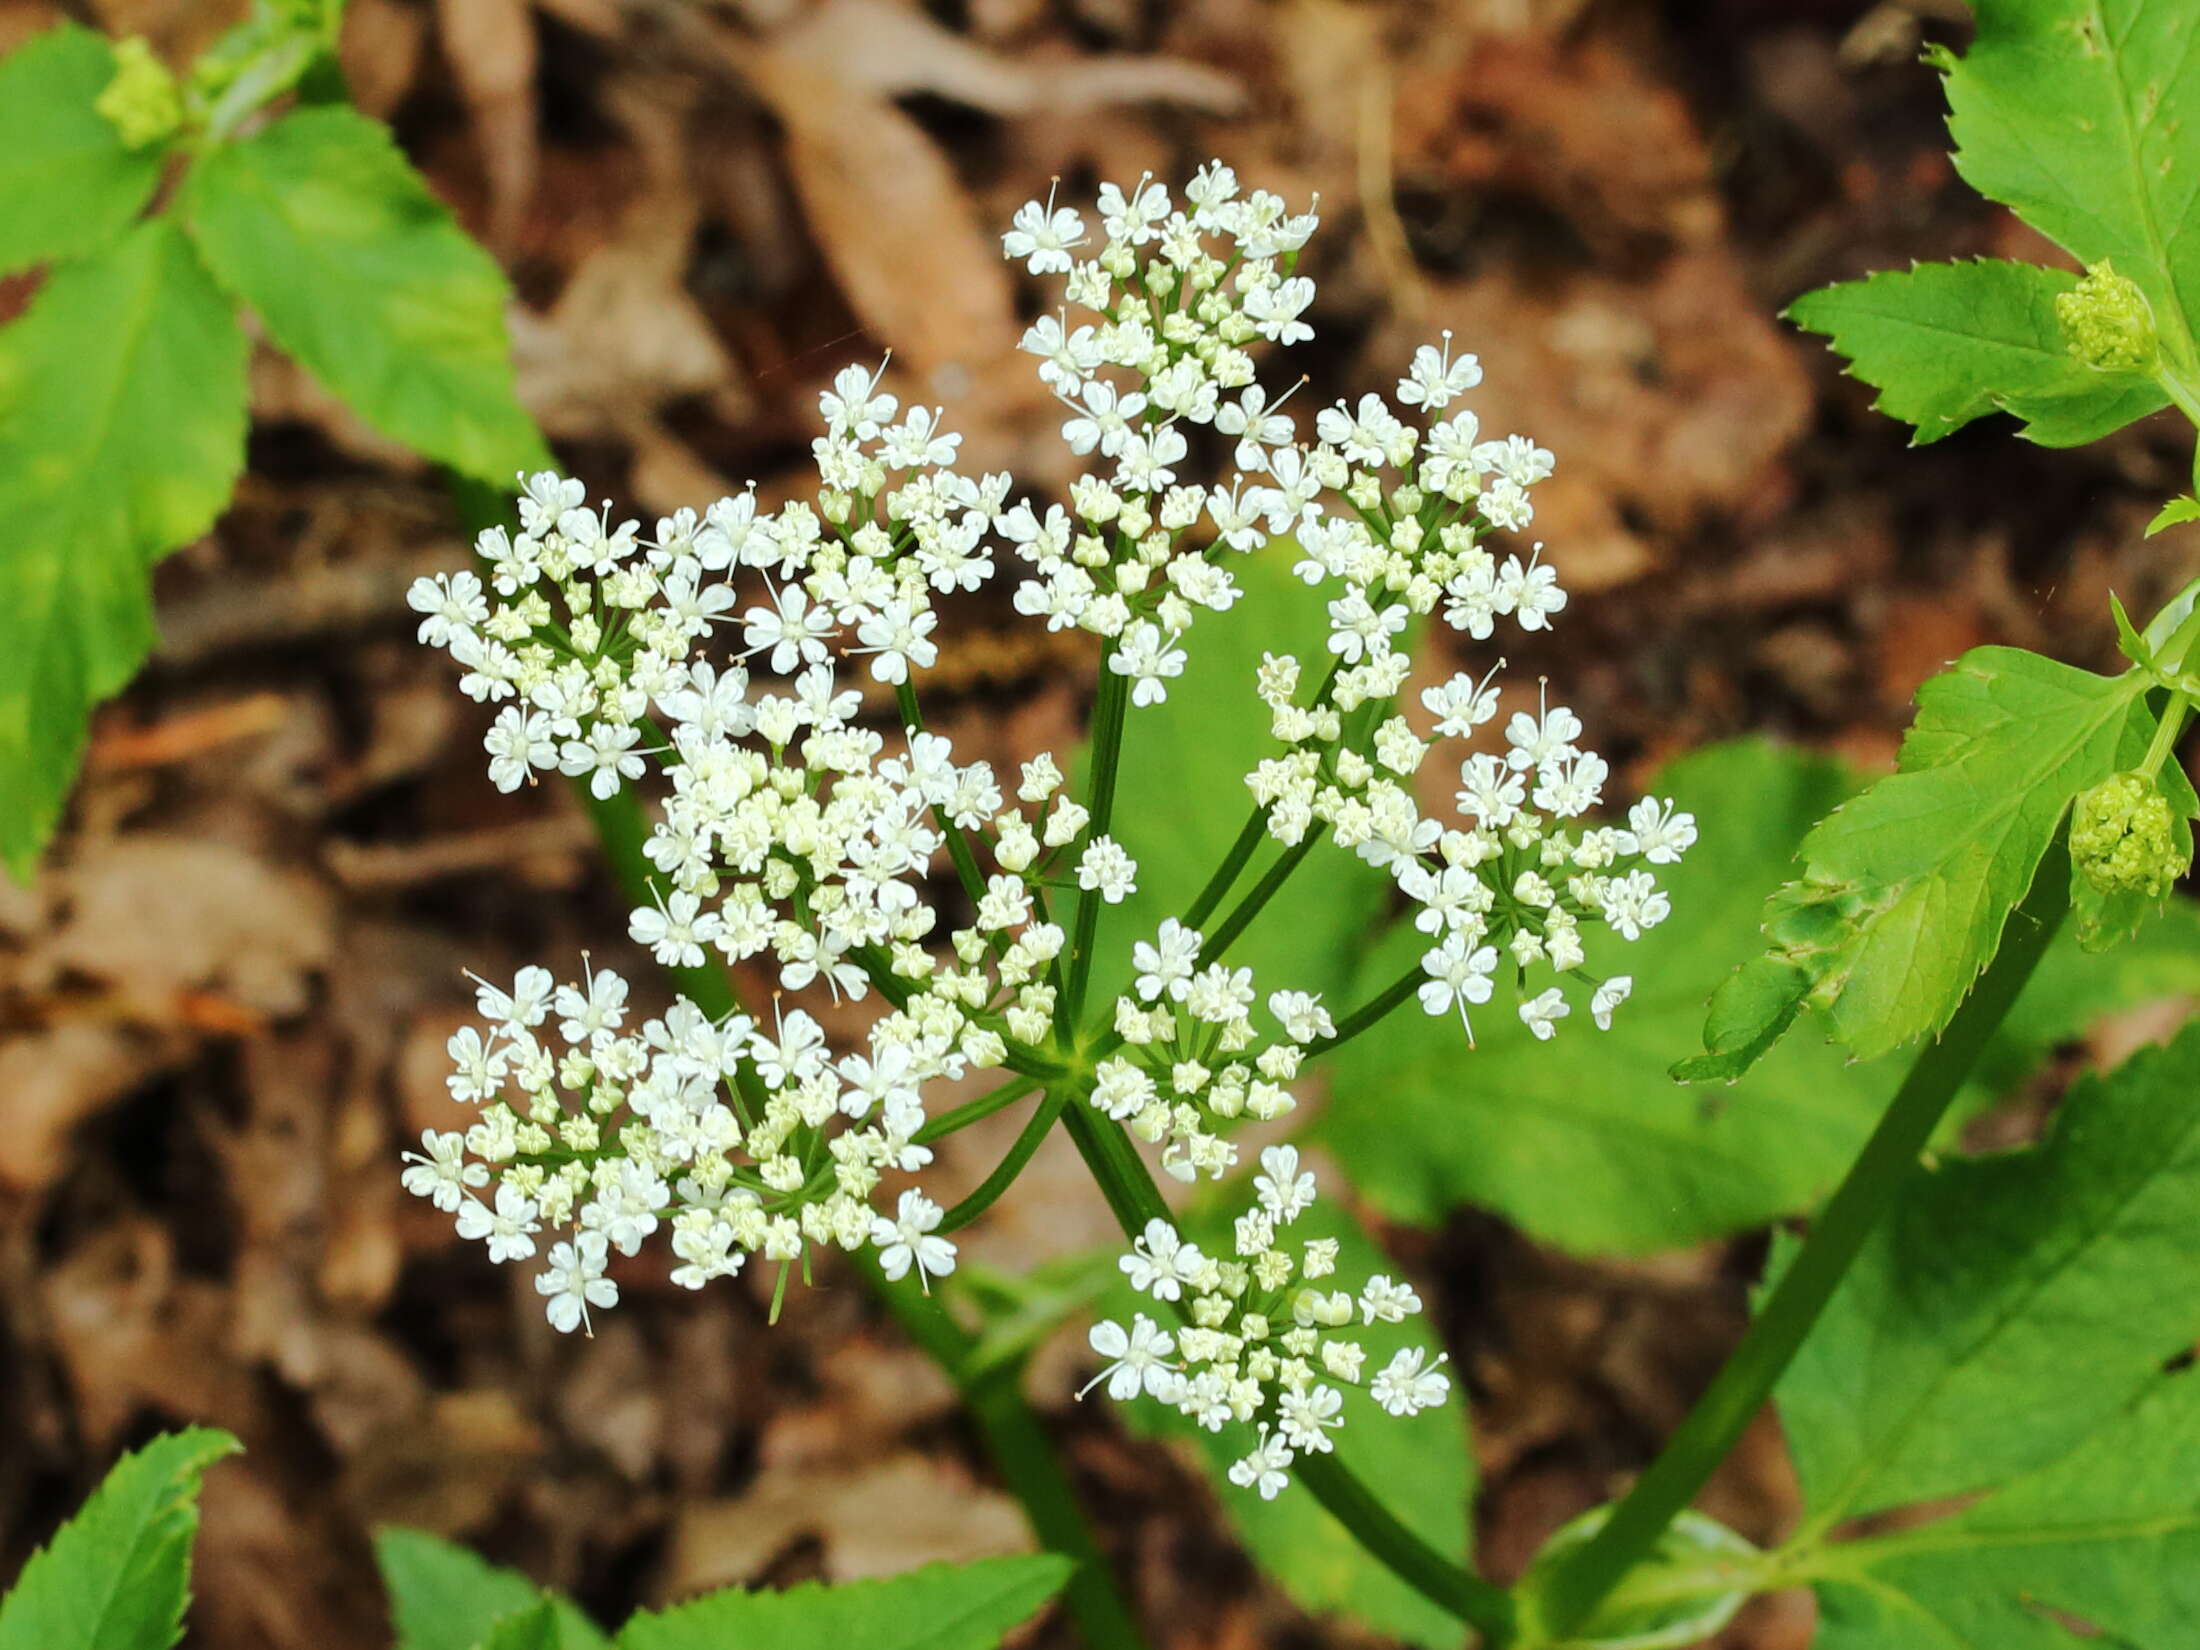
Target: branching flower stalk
x,y
798,837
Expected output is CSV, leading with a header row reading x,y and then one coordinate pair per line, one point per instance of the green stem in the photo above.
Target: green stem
x,y
972,1111
1024,1456
1036,1129
1264,890
1370,1013
1486,1608
1584,1579
1013,1437
1226,874
1107,760
1131,1193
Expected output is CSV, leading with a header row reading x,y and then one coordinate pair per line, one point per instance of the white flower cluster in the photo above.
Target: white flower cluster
x,y
716,655
611,1132
1258,1341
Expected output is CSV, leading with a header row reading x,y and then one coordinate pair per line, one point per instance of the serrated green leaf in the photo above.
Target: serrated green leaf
x,y
443,1597
122,417
1947,343
68,183
2175,513
2100,1549
2080,115
1906,888
324,228
2005,1334
2010,1304
118,1575
1419,1465
534,1628
1182,799
940,1607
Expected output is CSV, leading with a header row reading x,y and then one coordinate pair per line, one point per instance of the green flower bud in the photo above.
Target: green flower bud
x,y
2123,837
142,101
2107,321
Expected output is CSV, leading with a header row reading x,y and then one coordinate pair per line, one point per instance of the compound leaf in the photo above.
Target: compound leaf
x,y
122,417
118,1575
323,227
1947,343
68,183
1906,888
940,1607
2079,115
2006,1334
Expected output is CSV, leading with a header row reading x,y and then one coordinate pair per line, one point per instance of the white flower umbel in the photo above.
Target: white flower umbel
x,y
719,659
1262,1340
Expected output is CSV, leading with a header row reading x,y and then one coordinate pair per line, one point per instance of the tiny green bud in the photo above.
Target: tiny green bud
x,y
2123,837
2107,321
142,101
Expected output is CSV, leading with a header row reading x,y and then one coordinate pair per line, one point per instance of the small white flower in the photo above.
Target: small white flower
x,y
1285,1190
1267,1469
1161,1263
1608,997
574,1281
1043,235
1104,868
1403,1387
910,1238
1139,1360
1541,1014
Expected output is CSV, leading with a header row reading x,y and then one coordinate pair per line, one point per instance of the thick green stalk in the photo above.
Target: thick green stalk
x,y
1107,761
1024,1456
1587,1576
1131,1193
1013,1437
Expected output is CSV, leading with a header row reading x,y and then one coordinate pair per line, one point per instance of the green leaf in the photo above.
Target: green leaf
x,y
2175,513
443,1597
68,183
940,1607
1947,343
2080,114
1906,888
2005,1334
1182,799
1583,1140
323,227
534,1628
1419,1465
2102,1549
118,1575
122,417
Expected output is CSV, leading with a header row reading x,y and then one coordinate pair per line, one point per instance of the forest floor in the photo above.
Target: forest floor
x,y
223,1006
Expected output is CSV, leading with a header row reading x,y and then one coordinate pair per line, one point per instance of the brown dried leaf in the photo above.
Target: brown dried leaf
x,y
895,226
52,1080
878,1520
490,46
160,917
891,50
